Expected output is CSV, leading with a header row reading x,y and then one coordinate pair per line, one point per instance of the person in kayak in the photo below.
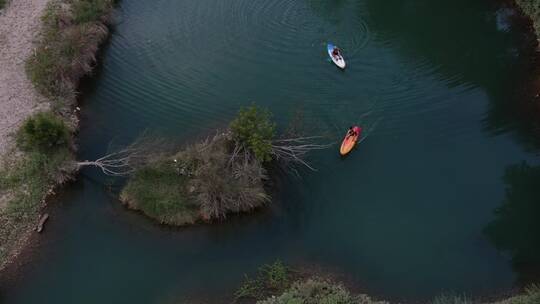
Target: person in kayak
x,y
351,132
336,52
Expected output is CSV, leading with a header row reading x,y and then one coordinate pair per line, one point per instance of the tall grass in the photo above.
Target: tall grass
x,y
160,192
25,179
70,38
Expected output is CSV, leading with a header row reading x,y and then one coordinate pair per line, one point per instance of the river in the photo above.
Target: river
x,y
402,217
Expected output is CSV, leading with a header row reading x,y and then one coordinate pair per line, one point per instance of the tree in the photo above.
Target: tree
x,y
254,129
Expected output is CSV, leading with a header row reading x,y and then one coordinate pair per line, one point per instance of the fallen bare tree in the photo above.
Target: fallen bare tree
x,y
290,152
124,161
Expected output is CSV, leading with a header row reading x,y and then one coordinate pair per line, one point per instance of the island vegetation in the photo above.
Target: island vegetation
x,y
220,175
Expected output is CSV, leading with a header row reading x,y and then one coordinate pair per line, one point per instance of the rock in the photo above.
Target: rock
x,y
42,221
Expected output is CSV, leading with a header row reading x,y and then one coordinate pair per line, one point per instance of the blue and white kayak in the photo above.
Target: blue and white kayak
x,y
338,60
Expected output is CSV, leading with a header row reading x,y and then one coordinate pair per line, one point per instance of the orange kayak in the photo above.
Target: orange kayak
x,y
350,140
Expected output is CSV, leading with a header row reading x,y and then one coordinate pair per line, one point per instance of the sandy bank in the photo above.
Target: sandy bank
x,y
19,27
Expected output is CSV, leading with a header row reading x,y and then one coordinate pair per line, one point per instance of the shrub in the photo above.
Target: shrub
x,y
276,275
2,4
270,278
220,183
316,291
43,131
254,129
90,10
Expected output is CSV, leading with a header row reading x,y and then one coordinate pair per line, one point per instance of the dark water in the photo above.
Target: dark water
x,y
403,217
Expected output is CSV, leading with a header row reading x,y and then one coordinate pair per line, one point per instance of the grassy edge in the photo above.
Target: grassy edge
x,y
26,179
71,33
277,283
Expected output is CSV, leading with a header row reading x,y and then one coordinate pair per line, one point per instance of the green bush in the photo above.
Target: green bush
x,y
276,275
254,129
43,131
2,4
90,10
270,278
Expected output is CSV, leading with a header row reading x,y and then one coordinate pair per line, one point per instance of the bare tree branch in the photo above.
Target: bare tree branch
x,y
292,151
126,160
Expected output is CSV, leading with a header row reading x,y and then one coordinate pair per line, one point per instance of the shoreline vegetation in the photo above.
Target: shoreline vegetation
x,y
277,283
44,155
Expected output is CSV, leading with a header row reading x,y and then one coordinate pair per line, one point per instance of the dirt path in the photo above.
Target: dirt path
x,y
19,25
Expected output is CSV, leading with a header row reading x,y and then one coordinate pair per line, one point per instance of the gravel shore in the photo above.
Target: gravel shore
x,y
19,27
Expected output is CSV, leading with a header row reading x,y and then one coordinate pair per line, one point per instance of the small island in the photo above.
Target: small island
x,y
221,175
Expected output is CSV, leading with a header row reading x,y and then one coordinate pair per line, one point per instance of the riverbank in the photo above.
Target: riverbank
x,y
317,290
277,283
47,47
19,27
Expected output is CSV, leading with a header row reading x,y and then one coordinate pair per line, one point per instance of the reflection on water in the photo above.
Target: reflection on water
x,y
458,48
516,228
